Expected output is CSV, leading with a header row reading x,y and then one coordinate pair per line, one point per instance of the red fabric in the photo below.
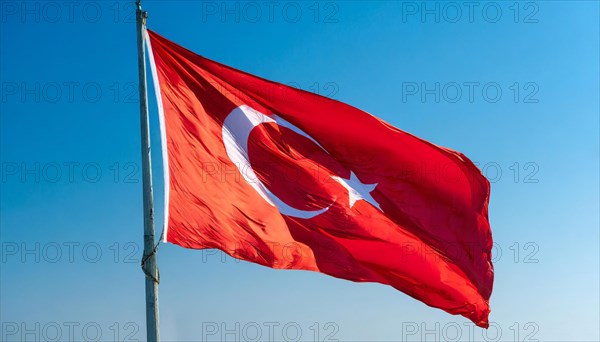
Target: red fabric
x,y
431,239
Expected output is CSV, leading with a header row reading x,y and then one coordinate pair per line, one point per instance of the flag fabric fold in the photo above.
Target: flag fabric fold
x,y
292,180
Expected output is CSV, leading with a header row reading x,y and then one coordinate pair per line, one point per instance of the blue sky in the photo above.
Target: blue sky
x,y
71,224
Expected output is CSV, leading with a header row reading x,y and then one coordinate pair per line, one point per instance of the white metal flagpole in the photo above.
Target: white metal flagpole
x,y
149,258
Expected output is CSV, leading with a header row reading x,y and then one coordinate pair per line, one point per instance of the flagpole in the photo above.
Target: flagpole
x,y
149,258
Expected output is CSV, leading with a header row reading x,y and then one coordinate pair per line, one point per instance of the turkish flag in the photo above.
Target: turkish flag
x,y
288,179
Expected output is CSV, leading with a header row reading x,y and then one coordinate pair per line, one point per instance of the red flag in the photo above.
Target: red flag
x,y
289,179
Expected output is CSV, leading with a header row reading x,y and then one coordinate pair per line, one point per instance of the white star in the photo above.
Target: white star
x,y
357,190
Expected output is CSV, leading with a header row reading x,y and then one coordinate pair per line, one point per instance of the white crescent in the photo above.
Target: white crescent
x,y
236,130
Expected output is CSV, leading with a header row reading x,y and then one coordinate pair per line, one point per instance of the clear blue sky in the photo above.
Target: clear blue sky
x,y
541,133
